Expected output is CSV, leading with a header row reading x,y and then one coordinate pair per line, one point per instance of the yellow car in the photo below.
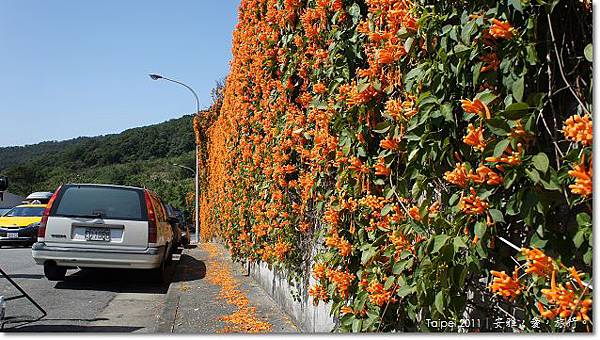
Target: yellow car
x,y
20,224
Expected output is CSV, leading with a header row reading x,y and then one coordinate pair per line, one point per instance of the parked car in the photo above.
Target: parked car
x,y
20,224
103,226
4,211
175,225
41,197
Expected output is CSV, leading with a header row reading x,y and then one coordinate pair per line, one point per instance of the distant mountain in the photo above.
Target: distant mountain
x,y
140,156
166,139
18,154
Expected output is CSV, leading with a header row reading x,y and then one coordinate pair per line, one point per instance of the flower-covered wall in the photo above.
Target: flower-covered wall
x,y
435,155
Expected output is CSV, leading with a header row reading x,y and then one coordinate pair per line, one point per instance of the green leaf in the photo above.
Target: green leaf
x,y
382,127
460,48
459,243
486,96
386,209
537,242
541,162
516,4
439,302
404,290
357,325
517,89
515,110
500,147
496,215
368,254
398,267
583,219
498,126
533,175
480,229
588,52
509,178
587,257
552,184
578,238
408,44
438,242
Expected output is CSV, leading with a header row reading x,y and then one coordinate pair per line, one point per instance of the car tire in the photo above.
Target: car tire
x,y
160,274
54,272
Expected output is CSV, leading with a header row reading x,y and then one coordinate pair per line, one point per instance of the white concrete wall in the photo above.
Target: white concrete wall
x,y
308,317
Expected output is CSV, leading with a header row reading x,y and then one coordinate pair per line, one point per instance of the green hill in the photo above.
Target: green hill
x,y
140,157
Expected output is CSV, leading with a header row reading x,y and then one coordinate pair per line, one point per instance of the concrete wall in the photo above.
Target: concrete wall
x,y
308,317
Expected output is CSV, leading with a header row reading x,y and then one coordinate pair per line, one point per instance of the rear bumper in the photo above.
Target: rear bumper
x,y
97,258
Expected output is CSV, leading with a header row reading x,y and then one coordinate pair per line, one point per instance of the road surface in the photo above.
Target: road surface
x,y
92,300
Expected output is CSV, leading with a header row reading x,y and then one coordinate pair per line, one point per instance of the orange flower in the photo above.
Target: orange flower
x,y
319,271
340,243
357,165
476,107
491,62
381,169
483,174
519,133
281,249
342,281
400,242
393,107
583,179
414,213
509,157
501,29
458,176
579,129
538,263
472,204
475,138
389,144
505,285
378,295
319,293
319,88
346,310
565,301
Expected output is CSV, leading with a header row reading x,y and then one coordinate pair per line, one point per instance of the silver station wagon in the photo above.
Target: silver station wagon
x,y
103,226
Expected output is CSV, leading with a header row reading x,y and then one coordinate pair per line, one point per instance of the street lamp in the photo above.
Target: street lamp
x,y
184,167
197,219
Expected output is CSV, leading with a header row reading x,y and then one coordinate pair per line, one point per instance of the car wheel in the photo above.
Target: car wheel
x,y
160,274
54,272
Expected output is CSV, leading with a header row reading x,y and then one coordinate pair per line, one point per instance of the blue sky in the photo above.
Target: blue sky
x,y
72,68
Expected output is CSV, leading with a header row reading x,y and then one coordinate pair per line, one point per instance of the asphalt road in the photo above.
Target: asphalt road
x,y
90,300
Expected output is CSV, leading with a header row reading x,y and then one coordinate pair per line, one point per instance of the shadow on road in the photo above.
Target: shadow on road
x,y
114,280
192,269
72,328
26,276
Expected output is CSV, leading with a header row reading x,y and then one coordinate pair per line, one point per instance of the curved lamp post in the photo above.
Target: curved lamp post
x,y
197,218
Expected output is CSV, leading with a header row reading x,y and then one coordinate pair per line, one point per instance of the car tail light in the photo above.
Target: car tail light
x,y
151,219
44,221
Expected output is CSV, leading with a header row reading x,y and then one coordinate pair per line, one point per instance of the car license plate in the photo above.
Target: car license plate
x,y
12,235
97,234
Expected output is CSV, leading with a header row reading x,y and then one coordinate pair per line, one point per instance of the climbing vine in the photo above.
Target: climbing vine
x,y
408,154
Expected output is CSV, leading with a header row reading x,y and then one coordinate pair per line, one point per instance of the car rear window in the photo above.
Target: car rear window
x,y
25,212
99,201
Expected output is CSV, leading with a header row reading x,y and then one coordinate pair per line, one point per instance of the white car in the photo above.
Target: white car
x,y
103,226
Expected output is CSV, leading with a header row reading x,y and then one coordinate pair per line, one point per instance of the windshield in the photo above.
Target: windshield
x,y
101,202
25,212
